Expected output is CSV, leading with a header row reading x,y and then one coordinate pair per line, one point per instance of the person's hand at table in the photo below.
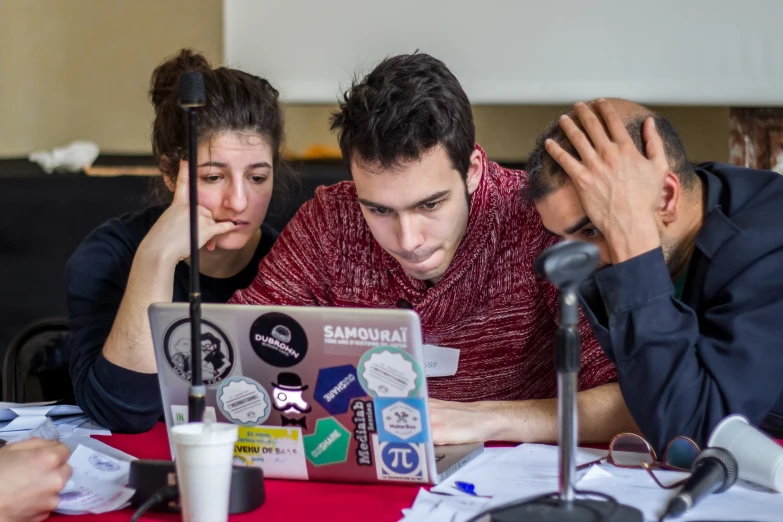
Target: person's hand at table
x,y
619,187
460,422
32,474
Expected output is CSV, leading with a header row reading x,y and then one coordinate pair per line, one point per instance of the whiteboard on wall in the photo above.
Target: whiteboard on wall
x,y
694,52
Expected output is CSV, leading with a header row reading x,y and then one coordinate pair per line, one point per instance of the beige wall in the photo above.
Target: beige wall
x,y
507,133
79,69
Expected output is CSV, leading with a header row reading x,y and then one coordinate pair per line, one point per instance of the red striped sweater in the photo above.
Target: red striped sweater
x,y
489,302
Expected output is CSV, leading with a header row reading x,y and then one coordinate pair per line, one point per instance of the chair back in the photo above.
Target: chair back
x,y
36,364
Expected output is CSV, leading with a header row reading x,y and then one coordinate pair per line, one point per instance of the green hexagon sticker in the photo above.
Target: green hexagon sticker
x,y
328,444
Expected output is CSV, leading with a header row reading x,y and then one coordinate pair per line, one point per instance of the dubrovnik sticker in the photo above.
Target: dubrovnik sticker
x,y
243,401
217,354
278,340
389,372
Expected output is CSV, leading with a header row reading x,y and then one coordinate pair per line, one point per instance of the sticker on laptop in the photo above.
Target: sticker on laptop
x,y
389,372
217,353
287,399
344,335
180,415
278,451
401,420
364,425
278,340
400,461
328,444
243,401
336,387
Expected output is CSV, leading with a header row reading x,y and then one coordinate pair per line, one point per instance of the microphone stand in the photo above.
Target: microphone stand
x,y
191,98
566,265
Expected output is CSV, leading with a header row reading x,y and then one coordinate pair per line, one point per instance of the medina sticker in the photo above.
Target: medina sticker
x,y
217,354
278,340
288,400
243,401
336,387
400,461
389,372
401,420
364,425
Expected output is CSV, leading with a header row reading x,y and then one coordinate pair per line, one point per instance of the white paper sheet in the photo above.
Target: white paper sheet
x,y
100,474
634,487
532,469
527,470
87,461
83,494
432,507
12,410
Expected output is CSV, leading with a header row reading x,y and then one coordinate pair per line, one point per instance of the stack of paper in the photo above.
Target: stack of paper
x,y
19,421
530,470
100,474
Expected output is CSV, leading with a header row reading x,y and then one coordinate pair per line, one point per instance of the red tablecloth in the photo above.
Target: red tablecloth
x,y
288,501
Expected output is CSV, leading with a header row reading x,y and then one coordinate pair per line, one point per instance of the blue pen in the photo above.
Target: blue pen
x,y
466,487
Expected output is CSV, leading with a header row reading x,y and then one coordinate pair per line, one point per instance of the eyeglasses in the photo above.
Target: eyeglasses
x,y
628,450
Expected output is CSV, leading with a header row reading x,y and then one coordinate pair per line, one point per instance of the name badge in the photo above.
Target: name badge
x,y
440,361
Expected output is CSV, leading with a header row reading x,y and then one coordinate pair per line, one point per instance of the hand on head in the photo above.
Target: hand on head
x,y
619,186
32,474
170,237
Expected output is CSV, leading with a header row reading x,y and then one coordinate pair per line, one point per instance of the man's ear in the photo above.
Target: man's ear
x,y
475,171
669,204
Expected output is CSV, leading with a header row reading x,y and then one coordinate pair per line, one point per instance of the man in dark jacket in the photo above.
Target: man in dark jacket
x,y
688,301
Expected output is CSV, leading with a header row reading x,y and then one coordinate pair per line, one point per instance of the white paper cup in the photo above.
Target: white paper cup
x,y
759,458
205,454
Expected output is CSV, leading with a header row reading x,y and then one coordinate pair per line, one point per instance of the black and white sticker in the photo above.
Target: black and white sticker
x,y
217,353
278,340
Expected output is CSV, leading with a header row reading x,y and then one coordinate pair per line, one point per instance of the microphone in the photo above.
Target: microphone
x,y
191,98
565,265
714,471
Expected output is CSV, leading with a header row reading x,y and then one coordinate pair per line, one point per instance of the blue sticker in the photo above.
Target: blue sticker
x,y
401,420
336,387
400,462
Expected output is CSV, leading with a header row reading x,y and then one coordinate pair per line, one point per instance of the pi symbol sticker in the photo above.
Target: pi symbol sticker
x,y
400,461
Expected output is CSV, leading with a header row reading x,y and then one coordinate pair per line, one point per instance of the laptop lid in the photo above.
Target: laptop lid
x,y
329,394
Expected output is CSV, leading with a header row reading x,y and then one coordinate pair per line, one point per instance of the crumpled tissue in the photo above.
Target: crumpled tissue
x,y
72,158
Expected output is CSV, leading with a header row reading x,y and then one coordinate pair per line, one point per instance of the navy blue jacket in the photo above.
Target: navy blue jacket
x,y
684,364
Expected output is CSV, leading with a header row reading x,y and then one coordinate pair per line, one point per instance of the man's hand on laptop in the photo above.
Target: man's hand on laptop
x,y
461,422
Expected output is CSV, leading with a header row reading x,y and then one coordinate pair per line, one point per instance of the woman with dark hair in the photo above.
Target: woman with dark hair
x,y
138,259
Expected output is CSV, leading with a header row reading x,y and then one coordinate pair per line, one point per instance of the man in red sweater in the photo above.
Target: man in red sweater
x,y
429,224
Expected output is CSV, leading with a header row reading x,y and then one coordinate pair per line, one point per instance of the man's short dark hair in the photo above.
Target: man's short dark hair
x,y
546,176
406,106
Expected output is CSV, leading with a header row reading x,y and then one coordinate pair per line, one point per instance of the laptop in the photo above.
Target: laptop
x,y
325,394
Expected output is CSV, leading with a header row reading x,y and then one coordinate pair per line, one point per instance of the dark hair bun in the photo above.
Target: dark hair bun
x,y
165,78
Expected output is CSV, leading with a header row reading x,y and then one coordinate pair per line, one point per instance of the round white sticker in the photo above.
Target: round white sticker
x,y
389,372
243,401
